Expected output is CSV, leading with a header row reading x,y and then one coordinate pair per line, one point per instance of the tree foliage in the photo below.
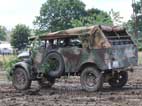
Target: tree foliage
x,y
2,33
137,7
19,36
93,17
134,26
137,19
63,14
117,19
58,14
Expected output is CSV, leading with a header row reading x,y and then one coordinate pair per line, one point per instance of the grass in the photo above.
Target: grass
x,y
6,64
5,59
139,57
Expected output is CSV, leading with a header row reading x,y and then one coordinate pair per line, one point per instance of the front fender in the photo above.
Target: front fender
x,y
23,65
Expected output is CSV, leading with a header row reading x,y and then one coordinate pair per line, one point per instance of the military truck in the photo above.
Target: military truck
x,y
98,54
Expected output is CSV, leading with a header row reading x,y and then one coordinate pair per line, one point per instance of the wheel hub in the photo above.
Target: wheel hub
x,y
91,79
20,78
119,79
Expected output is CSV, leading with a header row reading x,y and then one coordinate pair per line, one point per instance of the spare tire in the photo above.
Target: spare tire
x,y
55,64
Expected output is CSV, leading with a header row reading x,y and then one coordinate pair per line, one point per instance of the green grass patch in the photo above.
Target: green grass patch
x,y
139,57
4,59
7,62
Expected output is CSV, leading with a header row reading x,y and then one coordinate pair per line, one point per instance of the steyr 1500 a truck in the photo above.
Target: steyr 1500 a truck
x,y
97,54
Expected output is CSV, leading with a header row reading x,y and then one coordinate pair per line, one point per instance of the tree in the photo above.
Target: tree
x,y
63,14
2,33
93,17
134,25
117,19
19,36
137,17
58,14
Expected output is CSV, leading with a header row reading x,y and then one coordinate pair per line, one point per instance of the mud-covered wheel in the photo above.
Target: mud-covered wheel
x,y
20,79
46,83
91,79
119,79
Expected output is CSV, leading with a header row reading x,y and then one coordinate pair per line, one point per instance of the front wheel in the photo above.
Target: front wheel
x,y
119,79
20,79
91,79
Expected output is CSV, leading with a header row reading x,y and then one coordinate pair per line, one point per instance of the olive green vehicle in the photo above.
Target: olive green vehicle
x,y
97,54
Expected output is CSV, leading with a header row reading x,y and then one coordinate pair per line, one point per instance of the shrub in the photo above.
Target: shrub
x,y
8,66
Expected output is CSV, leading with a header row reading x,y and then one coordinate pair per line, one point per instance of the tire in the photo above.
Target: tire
x,y
92,73
58,71
20,79
44,83
118,80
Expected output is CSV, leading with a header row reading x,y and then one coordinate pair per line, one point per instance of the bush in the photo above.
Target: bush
x,y
8,66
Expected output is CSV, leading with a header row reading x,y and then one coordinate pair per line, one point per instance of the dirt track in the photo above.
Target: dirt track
x,y
69,93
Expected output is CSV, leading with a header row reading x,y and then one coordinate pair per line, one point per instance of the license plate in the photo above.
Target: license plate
x,y
115,64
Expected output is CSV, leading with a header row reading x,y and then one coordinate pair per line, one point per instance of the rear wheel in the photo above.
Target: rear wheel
x,y
91,79
119,79
20,79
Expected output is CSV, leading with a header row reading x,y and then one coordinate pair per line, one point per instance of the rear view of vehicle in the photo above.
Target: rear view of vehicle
x,y
119,58
123,56
113,54
124,52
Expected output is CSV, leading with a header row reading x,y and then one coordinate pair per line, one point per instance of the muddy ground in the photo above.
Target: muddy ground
x,y
68,92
